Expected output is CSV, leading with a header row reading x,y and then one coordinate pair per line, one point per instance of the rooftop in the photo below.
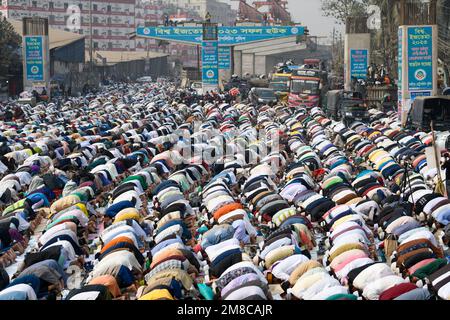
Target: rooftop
x,y
57,38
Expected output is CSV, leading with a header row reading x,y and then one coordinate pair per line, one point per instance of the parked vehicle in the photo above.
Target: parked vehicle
x,y
427,109
146,79
346,106
198,87
259,96
280,84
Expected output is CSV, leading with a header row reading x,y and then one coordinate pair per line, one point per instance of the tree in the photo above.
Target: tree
x,y
341,9
10,42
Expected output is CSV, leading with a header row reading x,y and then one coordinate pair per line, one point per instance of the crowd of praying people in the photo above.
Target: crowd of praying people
x,y
133,194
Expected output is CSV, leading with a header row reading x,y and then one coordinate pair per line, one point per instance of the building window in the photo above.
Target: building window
x,y
94,7
95,45
80,6
108,8
50,5
95,32
95,19
109,21
51,19
110,46
34,4
66,5
109,33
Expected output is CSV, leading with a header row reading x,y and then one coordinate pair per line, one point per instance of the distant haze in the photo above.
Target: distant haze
x,y
308,13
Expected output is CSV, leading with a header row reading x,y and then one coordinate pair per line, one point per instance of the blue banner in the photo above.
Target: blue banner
x,y
34,58
210,63
414,95
228,36
400,57
225,58
400,71
420,58
358,63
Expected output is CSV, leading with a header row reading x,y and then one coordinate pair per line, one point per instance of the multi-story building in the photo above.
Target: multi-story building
x,y
221,10
147,12
152,12
112,20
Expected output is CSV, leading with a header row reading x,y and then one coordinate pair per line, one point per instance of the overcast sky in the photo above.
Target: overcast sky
x,y
309,14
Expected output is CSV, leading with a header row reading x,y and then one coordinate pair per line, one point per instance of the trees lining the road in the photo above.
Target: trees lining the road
x,y
10,43
384,40
341,9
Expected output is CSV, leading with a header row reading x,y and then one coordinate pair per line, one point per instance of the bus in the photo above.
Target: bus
x,y
280,84
305,88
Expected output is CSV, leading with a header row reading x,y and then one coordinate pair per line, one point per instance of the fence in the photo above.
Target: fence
x,y
376,94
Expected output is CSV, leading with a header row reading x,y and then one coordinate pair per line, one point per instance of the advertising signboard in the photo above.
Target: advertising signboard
x,y
228,36
400,71
225,58
420,58
210,61
34,58
358,63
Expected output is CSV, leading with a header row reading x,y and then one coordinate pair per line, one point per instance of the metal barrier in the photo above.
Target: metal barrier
x,y
376,94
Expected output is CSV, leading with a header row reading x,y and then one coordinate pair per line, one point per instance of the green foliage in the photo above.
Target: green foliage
x,y
10,42
341,9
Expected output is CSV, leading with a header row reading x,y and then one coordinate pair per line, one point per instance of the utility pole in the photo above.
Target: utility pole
x,y
341,49
198,62
334,38
333,48
147,43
